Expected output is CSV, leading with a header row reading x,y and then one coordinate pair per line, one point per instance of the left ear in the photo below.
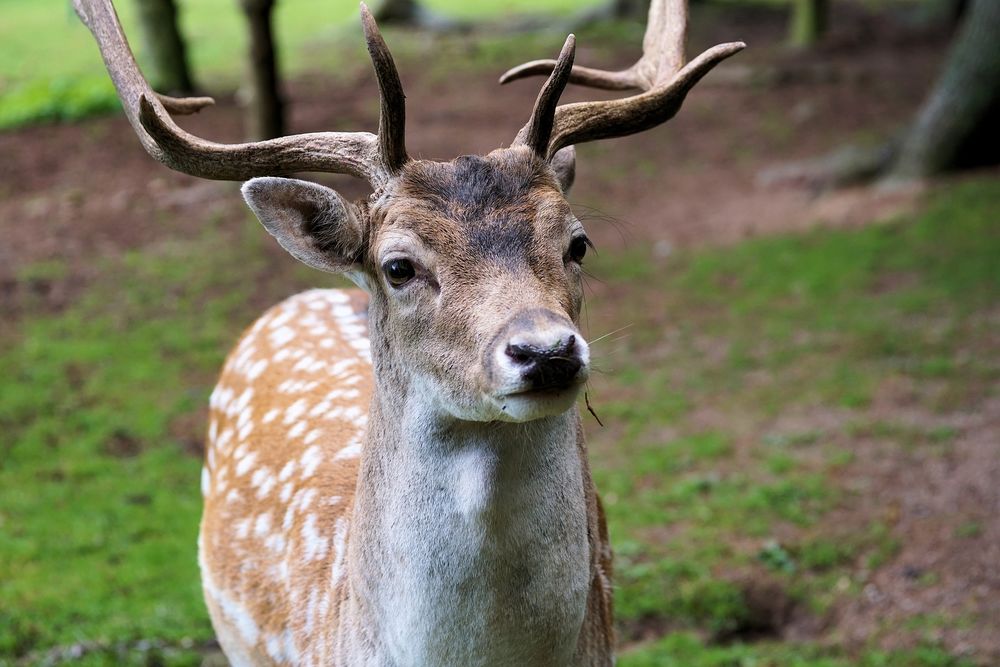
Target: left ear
x,y
312,222
564,164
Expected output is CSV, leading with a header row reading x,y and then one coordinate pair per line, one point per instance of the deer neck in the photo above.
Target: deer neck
x,y
469,541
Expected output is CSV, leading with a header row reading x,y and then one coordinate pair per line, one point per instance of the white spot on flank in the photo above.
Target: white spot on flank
x,y
282,649
281,319
256,369
351,451
262,526
242,528
339,537
315,546
271,415
295,410
341,366
286,471
264,481
245,431
320,408
244,400
243,467
311,458
334,295
236,612
275,542
281,336
224,439
297,430
312,436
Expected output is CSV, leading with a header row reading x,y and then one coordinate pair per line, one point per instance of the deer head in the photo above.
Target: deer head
x,y
473,265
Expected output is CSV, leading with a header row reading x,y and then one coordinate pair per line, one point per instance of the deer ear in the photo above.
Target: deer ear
x,y
310,221
564,164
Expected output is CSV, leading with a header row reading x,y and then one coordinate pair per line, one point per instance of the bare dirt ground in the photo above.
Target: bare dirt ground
x,y
691,183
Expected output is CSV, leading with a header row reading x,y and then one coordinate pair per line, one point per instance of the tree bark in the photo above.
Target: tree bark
x,y
808,21
165,47
630,9
265,113
403,12
952,128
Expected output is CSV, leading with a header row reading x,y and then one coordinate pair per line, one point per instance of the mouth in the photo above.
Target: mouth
x,y
536,402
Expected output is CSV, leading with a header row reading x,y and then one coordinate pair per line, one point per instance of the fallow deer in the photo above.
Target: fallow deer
x,y
397,475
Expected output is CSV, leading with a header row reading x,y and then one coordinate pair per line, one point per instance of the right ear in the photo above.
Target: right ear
x,y
310,221
564,164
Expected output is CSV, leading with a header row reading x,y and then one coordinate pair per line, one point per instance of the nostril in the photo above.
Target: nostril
x,y
522,354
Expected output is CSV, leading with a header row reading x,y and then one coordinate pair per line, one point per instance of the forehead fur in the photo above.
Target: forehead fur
x,y
472,186
498,205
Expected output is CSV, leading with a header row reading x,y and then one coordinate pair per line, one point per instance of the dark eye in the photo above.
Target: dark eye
x,y
578,248
398,271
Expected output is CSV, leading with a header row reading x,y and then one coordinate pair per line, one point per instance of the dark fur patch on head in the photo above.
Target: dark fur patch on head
x,y
491,198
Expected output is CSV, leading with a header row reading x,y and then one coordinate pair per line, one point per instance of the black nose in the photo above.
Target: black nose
x,y
547,368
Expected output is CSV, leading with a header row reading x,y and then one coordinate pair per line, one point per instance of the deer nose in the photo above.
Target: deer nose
x,y
553,367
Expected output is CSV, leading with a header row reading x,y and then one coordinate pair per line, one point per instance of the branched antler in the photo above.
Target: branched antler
x,y
661,73
373,157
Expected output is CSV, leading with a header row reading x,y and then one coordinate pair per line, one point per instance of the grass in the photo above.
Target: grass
x,y
99,405
775,326
50,69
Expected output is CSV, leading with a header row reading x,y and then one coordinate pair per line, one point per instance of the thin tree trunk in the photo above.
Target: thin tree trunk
x,y
629,9
265,117
953,126
165,46
404,12
808,21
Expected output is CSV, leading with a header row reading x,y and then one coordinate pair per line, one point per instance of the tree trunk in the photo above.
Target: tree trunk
x,y
265,115
953,127
630,9
165,46
405,12
808,21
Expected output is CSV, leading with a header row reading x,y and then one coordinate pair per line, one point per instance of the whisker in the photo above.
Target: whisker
x,y
610,333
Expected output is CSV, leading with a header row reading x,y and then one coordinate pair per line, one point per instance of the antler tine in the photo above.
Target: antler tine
x,y
660,73
582,76
354,153
591,121
537,133
392,101
663,43
184,106
662,55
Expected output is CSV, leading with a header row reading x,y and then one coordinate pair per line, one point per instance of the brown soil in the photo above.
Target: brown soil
x,y
73,193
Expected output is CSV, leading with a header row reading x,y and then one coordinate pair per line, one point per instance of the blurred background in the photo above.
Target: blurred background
x,y
795,303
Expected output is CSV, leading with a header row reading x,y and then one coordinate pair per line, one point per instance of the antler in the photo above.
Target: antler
x,y
363,154
661,73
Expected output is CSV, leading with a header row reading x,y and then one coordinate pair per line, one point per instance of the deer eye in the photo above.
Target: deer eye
x,y
399,271
578,249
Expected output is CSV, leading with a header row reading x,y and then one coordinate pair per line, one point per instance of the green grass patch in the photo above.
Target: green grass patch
x,y
50,68
99,503
685,650
815,321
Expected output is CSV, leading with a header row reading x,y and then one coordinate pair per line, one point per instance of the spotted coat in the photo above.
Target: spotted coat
x,y
286,426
